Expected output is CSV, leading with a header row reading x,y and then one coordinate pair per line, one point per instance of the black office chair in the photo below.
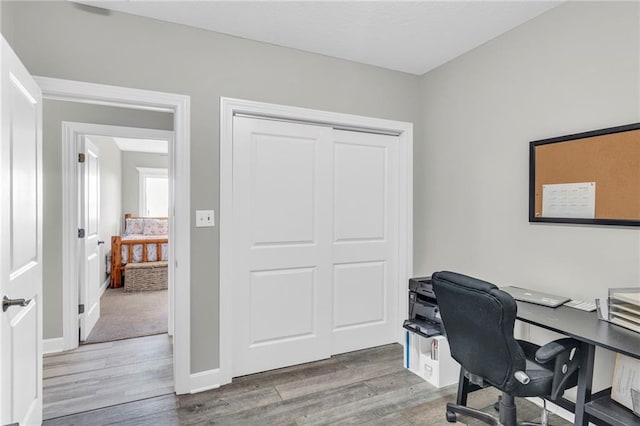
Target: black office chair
x,y
478,319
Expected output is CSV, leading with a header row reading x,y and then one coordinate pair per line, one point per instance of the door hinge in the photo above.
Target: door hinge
x,y
81,308
81,233
81,157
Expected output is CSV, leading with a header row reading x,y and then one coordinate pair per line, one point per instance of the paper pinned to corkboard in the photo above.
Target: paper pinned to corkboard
x,y
572,200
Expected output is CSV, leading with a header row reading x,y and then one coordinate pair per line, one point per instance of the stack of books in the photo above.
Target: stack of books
x,y
624,307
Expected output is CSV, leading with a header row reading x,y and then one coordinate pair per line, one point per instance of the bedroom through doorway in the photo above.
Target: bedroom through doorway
x,y
119,185
135,303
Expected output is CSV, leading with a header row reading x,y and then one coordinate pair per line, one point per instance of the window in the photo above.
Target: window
x,y
154,192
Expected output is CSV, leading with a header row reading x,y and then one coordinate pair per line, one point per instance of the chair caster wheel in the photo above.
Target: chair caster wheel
x,y
451,417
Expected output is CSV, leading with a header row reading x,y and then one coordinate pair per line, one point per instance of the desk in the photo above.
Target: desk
x,y
591,332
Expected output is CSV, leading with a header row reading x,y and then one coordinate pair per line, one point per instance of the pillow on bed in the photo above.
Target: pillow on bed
x,y
133,226
156,227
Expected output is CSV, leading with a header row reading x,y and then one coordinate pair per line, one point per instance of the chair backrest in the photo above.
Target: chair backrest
x,y
478,319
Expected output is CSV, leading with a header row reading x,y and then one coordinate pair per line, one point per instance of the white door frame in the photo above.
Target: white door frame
x,y
179,105
71,134
230,107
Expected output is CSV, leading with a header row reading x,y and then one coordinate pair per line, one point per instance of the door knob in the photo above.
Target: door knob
x,y
6,302
100,242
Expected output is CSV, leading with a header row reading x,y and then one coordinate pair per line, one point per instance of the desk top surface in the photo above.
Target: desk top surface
x,y
583,326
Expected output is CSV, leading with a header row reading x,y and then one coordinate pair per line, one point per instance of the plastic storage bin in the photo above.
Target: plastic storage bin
x,y
430,359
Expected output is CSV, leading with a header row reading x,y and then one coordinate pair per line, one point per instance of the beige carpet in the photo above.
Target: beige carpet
x,y
124,315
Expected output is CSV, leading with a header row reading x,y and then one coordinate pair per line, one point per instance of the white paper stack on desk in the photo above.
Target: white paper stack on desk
x,y
624,307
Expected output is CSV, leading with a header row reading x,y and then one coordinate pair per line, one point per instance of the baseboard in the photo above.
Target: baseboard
x,y
555,409
52,346
205,380
104,285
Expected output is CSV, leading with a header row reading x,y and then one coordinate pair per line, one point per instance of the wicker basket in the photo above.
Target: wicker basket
x,y
145,276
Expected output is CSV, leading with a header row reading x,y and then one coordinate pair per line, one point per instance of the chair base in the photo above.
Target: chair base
x,y
506,407
453,409
544,418
507,412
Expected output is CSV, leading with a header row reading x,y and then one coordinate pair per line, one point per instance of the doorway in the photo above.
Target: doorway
x,y
178,105
139,306
106,187
121,151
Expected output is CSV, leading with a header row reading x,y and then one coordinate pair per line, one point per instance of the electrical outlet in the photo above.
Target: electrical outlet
x,y
205,218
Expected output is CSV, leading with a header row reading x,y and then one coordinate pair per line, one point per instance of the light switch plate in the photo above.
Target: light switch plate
x,y
205,218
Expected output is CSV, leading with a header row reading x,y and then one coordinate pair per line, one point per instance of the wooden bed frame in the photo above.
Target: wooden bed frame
x,y
117,268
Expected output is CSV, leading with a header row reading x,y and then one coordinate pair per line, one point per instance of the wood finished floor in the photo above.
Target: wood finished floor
x,y
106,374
365,387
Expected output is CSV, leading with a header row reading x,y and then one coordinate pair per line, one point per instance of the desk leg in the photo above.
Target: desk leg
x,y
585,378
463,389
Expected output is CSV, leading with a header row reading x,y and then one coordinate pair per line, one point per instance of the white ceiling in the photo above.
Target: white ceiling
x,y
409,36
142,145
135,145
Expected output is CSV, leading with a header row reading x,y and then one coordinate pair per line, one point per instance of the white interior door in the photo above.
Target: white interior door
x,y
281,257
21,243
90,222
316,247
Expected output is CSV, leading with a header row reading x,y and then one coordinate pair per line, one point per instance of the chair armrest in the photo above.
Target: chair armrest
x,y
564,353
551,350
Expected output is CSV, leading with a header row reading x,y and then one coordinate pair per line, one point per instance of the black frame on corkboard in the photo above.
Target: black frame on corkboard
x,y
608,156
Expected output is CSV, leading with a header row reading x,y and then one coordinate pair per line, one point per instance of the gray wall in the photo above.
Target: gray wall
x,y
58,39
6,24
110,196
130,184
573,69
54,113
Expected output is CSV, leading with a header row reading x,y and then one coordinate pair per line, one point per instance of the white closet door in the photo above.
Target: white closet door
x,y
364,240
315,242
281,254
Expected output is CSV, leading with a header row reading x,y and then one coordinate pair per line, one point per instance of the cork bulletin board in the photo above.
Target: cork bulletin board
x,y
588,178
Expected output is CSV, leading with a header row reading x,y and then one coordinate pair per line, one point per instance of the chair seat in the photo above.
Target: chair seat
x,y
541,375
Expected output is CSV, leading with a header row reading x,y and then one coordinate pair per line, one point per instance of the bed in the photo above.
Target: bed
x,y
145,239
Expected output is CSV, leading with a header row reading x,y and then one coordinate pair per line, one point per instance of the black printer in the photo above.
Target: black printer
x,y
424,315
